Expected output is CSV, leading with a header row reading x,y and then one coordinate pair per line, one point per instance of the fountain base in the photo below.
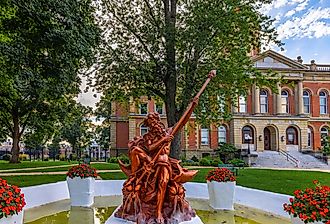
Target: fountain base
x,y
115,220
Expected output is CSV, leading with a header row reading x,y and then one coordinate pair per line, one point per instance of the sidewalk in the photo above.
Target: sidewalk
x,y
52,173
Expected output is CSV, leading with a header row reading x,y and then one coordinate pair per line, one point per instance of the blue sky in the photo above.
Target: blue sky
x,y
304,27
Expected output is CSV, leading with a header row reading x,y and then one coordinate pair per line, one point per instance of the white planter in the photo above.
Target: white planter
x,y
297,220
81,191
221,194
14,219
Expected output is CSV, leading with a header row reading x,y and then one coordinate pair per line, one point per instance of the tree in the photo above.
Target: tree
x,y
166,48
43,47
76,127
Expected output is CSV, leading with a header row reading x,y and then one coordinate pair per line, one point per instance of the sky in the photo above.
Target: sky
x,y
303,25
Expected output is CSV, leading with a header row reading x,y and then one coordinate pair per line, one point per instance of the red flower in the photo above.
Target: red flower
x,y
220,175
82,171
310,204
11,199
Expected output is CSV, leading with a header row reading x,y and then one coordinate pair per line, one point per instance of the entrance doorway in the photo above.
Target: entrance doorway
x,y
267,139
270,140
292,138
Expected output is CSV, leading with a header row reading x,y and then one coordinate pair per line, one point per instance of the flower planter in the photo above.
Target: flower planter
x,y
296,220
81,191
221,194
14,219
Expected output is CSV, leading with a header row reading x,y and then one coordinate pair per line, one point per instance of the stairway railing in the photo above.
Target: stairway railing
x,y
289,157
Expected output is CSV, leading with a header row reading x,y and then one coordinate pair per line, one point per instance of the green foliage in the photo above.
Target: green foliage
x,y
166,52
124,158
215,162
326,146
194,158
76,126
6,157
237,162
46,45
113,160
205,162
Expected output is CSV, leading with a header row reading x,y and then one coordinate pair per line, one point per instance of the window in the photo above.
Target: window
x,y
242,104
263,101
247,135
143,129
307,102
310,137
291,136
159,108
222,134
324,134
285,101
144,108
323,102
204,136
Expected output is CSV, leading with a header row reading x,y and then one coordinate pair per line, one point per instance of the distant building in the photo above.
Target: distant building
x,y
296,117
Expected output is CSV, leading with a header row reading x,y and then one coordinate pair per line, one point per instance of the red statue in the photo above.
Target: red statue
x,y
153,192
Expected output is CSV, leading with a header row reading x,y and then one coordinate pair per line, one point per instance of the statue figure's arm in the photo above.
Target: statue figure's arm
x,y
163,140
185,117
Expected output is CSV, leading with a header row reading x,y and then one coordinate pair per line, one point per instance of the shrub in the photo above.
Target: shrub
x,y
6,157
237,162
82,171
23,157
311,204
220,175
11,199
189,163
74,157
205,162
215,162
113,160
124,158
227,151
195,159
61,157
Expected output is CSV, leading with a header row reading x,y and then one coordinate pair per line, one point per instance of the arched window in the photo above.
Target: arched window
x,y
263,101
204,136
323,103
247,135
310,137
324,135
291,136
285,101
307,102
143,129
242,104
222,134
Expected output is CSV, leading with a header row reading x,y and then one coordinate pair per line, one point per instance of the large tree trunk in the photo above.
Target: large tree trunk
x,y
16,139
170,77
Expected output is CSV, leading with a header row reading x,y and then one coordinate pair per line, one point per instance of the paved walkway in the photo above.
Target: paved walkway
x,y
272,159
52,173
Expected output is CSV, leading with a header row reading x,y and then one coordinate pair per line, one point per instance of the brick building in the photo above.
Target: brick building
x,y
295,117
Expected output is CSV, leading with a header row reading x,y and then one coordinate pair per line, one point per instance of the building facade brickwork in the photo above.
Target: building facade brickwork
x,y
296,116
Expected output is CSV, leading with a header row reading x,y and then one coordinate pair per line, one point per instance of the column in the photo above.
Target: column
x,y
279,99
300,97
256,96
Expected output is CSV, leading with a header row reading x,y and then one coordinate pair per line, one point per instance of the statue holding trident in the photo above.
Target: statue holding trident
x,y
153,192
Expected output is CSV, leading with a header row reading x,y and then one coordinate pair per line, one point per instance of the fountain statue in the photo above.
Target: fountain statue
x,y
153,192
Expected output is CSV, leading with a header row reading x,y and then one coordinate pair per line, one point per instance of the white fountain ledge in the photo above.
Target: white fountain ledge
x,y
263,200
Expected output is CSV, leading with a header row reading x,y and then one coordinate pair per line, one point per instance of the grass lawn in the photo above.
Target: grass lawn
x,y
25,181
98,166
5,165
280,181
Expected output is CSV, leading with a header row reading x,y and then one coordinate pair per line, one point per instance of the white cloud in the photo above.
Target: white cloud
x,y
302,4
311,25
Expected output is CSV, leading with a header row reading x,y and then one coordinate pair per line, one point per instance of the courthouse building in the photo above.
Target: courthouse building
x,y
295,117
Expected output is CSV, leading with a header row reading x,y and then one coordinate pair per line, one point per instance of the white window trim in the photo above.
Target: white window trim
x,y
207,136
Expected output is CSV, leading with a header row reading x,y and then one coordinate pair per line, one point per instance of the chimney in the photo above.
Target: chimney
x,y
299,59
